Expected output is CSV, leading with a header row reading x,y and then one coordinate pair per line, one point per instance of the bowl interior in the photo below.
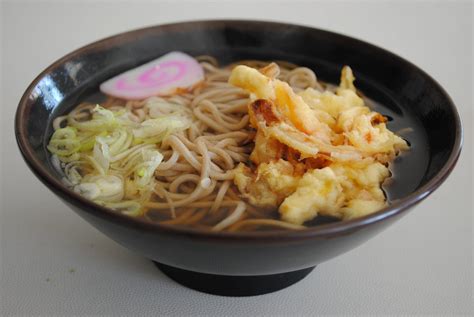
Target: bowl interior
x,y
397,88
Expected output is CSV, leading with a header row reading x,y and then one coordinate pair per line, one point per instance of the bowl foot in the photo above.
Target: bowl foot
x,y
227,285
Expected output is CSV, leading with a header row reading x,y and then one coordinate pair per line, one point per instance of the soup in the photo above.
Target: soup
x,y
249,146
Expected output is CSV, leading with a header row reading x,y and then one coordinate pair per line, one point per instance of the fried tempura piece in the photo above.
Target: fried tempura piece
x,y
375,138
252,81
340,190
271,70
316,153
263,110
347,79
317,192
269,185
332,103
270,126
290,105
266,149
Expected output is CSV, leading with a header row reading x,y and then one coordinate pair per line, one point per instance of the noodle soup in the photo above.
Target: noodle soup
x,y
217,156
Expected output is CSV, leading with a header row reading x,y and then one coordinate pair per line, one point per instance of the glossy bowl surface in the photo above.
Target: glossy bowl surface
x,y
401,88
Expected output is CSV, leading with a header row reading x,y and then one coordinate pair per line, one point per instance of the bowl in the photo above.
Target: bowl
x,y
249,263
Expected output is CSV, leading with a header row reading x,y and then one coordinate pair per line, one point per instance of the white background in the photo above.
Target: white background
x,y
54,263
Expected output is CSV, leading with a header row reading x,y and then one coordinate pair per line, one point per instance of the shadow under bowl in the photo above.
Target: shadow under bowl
x,y
249,263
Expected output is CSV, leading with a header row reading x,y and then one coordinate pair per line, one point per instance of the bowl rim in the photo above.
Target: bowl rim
x,y
324,230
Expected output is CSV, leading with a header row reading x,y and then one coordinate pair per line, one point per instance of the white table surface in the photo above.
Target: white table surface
x,y
53,262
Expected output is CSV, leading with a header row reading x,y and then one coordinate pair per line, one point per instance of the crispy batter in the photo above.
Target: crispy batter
x,y
271,70
268,185
340,190
377,118
320,161
266,149
295,109
317,192
291,106
262,109
253,81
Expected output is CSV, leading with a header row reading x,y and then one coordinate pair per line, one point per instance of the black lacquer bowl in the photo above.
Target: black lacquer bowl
x,y
259,262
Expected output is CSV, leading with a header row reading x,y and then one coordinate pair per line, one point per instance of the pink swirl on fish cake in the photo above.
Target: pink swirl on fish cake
x,y
155,76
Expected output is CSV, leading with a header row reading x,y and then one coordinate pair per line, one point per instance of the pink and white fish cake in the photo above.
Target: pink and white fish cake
x,y
161,77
